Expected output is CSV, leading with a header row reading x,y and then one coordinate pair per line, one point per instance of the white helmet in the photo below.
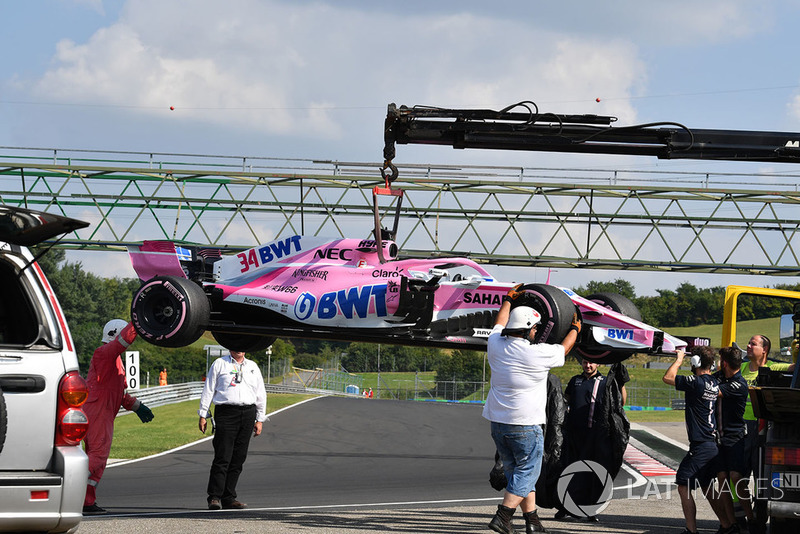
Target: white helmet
x,y
112,329
523,318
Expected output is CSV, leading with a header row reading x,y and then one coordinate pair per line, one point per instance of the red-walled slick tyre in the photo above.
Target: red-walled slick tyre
x,y
168,311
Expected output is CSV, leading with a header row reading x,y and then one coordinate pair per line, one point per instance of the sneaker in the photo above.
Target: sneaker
x,y
592,519
234,505
93,509
687,531
214,504
733,529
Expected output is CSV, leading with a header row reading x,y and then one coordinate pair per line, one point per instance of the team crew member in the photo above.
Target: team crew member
x,y
516,405
757,352
106,380
732,463
701,392
162,377
584,395
236,388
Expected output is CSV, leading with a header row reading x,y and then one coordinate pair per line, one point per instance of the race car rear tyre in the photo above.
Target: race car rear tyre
x,y
556,309
243,342
3,420
620,304
168,311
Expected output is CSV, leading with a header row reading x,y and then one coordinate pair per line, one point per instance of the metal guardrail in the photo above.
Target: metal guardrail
x,y
163,395
678,404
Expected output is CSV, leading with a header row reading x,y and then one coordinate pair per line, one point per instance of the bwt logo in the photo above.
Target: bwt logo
x,y
347,302
620,333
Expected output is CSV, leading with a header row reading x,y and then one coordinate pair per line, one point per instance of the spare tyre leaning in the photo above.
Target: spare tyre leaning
x,y
168,311
556,308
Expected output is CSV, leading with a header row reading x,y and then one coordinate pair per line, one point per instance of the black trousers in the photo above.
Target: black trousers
x,y
234,427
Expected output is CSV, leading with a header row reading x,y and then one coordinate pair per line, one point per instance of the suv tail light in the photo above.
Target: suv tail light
x,y
71,422
783,456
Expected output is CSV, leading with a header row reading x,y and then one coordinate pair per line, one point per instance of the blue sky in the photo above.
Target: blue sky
x,y
311,79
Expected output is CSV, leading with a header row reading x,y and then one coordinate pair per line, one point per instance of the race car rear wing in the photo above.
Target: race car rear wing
x,y
165,258
158,258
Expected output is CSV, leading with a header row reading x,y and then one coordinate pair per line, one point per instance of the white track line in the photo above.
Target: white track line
x,y
496,499
126,462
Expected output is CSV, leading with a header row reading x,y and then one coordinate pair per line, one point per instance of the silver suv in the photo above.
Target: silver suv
x,y
43,469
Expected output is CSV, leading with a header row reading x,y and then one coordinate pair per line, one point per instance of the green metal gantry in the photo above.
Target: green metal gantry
x,y
542,217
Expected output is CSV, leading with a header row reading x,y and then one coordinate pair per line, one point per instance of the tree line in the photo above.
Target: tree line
x,y
90,301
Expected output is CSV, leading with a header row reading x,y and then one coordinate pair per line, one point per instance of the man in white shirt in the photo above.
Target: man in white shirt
x,y
235,387
516,405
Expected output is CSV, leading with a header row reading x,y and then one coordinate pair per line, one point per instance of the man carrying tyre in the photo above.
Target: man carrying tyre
x,y
106,381
516,404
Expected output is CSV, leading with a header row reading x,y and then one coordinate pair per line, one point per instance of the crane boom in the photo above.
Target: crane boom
x,y
532,130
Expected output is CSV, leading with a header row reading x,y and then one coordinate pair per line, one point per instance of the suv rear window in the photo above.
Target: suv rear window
x,y
19,323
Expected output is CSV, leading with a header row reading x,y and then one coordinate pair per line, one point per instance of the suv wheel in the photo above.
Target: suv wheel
x,y
3,420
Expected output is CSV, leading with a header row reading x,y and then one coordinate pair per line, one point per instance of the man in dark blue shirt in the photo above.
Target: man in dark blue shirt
x,y
697,468
732,461
584,394
584,397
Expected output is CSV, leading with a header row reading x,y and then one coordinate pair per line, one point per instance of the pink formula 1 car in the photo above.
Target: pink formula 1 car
x,y
356,290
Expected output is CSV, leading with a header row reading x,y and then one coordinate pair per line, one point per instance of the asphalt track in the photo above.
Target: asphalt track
x,y
335,465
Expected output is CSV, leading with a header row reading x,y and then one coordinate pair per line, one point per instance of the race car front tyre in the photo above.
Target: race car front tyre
x,y
620,304
243,342
168,311
556,309
3,420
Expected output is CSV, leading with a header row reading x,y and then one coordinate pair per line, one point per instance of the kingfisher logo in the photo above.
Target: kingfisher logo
x,y
349,302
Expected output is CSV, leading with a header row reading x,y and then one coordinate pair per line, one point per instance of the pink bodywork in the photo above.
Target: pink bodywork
x,y
342,283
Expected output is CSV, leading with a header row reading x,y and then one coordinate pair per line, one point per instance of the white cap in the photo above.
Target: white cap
x,y
523,318
112,329
695,361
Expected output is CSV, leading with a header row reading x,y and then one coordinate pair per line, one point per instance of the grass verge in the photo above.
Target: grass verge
x,y
174,425
655,416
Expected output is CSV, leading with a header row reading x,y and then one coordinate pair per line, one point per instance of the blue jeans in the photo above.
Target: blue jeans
x,y
520,448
